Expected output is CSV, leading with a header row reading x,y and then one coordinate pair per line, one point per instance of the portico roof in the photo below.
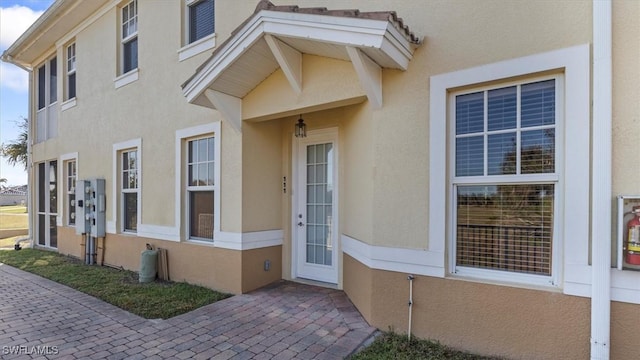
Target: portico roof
x,y
277,36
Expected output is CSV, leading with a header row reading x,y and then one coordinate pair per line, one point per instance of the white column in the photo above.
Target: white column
x,y
601,181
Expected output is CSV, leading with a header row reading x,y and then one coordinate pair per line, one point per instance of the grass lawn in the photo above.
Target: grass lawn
x,y
118,287
13,217
390,345
13,209
9,242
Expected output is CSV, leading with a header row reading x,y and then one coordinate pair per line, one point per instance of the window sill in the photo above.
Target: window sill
x,y
197,47
200,242
126,79
500,278
68,104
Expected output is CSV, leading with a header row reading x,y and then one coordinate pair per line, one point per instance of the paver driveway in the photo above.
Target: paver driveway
x,y
43,319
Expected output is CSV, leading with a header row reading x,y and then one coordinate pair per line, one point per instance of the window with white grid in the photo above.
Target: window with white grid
x,y
130,188
71,172
201,187
129,32
71,72
505,177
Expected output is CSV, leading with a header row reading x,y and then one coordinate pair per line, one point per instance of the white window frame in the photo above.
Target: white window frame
x,y
196,188
199,46
116,225
68,207
573,233
127,38
70,70
554,178
128,190
181,194
46,117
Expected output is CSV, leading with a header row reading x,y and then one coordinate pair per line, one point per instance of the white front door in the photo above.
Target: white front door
x,y
315,207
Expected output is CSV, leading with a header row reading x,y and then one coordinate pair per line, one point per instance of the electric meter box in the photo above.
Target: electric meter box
x,y
90,207
628,232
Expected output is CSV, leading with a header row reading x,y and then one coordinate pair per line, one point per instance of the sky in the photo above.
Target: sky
x,y
15,17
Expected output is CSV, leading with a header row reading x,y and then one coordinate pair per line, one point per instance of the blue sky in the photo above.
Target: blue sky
x,y
15,17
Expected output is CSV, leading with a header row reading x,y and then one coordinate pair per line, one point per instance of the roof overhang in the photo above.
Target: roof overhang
x,y
277,39
58,20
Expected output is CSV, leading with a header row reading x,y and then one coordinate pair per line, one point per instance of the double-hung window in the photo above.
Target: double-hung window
x,y
200,187
129,173
201,19
505,176
130,36
71,72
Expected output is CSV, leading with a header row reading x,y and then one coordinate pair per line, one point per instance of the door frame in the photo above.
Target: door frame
x,y
315,136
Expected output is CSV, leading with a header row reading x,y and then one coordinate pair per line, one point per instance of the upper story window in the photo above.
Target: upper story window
x,y
505,178
198,28
46,98
71,72
130,36
201,19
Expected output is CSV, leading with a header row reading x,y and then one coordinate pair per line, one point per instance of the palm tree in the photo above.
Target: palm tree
x,y
2,182
16,151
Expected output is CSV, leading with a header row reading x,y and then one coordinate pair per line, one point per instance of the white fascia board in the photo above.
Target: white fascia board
x,y
361,33
224,58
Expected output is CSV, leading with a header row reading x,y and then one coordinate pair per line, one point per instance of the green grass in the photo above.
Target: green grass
x,y
13,209
394,346
118,287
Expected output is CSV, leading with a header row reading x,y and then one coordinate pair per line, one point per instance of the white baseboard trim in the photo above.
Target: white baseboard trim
x,y
410,261
170,233
248,240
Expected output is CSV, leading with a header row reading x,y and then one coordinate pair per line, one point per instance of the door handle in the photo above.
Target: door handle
x,y
300,223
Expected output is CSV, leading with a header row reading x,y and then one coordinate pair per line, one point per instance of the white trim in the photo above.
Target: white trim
x,y
182,134
229,106
362,33
575,63
290,61
169,233
248,240
112,225
197,47
64,158
68,104
125,79
315,137
411,261
369,74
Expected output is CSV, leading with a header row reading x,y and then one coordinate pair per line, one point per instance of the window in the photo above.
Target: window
x,y
505,177
129,178
71,71
201,19
71,192
130,36
47,97
201,187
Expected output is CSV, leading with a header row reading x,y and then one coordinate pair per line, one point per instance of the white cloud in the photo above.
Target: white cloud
x,y
14,21
14,78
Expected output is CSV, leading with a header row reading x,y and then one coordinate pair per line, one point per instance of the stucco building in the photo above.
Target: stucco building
x,y
478,146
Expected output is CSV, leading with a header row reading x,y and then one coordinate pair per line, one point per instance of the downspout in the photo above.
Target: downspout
x,y
601,182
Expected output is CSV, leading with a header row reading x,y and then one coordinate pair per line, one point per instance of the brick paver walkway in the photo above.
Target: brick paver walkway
x,y
43,319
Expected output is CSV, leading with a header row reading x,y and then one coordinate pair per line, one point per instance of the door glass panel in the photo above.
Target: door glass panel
x,y
53,231
41,229
319,202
